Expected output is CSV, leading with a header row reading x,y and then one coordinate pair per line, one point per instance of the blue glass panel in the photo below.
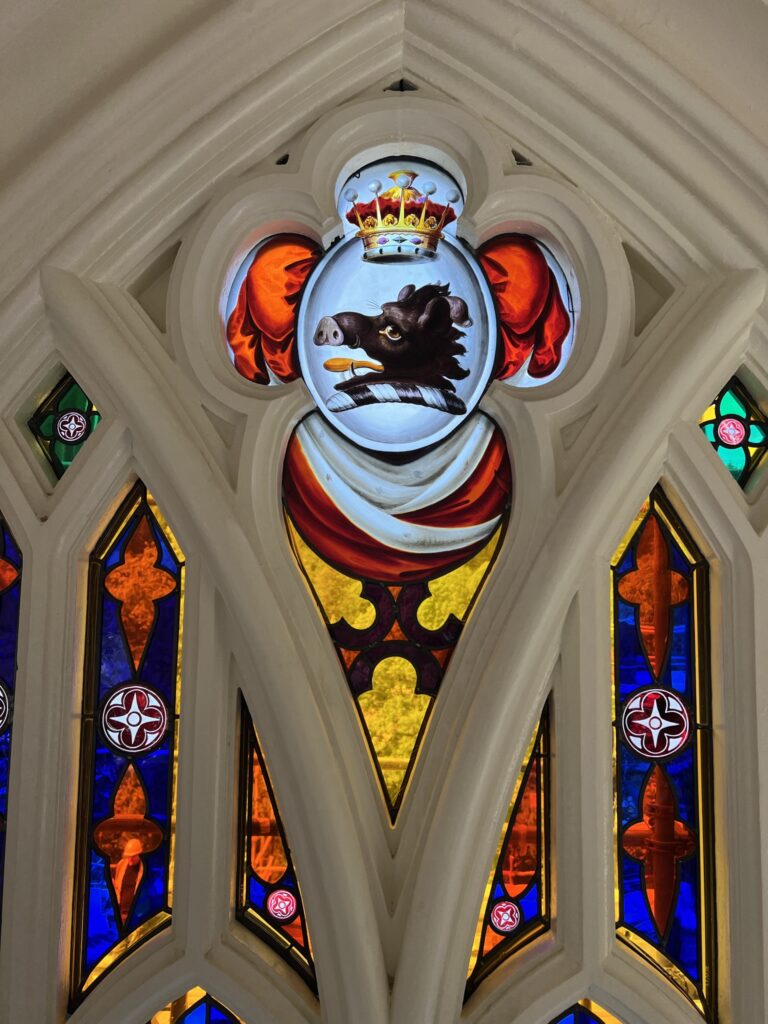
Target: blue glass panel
x,y
116,666
9,638
529,903
257,892
197,1015
102,931
5,764
159,665
218,1016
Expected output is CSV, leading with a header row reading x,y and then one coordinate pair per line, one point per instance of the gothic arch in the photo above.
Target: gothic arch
x,y
651,176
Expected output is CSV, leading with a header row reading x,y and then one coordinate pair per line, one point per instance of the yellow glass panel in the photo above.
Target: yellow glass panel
x,y
708,414
338,595
453,592
117,952
602,1015
394,715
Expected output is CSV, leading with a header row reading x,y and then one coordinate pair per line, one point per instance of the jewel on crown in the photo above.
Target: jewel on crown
x,y
402,222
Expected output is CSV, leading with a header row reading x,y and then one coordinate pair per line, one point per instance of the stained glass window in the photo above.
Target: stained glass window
x,y
737,430
586,1012
397,488
195,1007
131,692
516,901
63,422
394,634
665,908
10,596
268,901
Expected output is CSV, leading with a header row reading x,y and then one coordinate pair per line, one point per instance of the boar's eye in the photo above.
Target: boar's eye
x,y
391,332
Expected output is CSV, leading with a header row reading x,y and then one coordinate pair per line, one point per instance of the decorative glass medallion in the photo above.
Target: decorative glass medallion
x,y
402,379
195,1007
665,891
517,897
737,429
131,693
10,597
63,422
268,896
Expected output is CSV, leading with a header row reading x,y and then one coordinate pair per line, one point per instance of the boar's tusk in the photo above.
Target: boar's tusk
x,y
340,365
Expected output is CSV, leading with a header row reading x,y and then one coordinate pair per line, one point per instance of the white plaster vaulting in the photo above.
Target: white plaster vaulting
x,y
139,156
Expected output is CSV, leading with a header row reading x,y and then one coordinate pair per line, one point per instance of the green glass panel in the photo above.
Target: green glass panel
x,y
46,426
731,405
735,460
75,398
64,453
756,434
709,431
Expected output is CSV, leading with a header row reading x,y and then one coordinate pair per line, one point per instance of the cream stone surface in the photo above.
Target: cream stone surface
x,y
139,157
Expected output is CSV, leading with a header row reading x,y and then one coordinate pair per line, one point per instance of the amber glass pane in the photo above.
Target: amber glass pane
x,y
268,858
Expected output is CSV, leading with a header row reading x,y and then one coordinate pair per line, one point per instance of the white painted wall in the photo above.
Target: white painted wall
x,y
138,126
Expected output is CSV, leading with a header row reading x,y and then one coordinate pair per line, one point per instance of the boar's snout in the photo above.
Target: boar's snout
x,y
328,332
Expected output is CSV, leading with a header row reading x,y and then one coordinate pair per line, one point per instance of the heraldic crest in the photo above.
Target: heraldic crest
x,y
397,489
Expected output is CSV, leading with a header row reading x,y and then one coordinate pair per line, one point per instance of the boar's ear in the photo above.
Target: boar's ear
x,y
406,292
436,316
459,311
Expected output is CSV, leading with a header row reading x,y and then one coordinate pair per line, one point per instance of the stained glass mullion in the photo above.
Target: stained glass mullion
x,y
664,841
129,741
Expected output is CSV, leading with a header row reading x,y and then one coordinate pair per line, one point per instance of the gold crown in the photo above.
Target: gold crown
x,y
402,222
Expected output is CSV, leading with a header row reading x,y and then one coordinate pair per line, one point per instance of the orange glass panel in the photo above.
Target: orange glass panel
x,y
654,589
521,855
659,841
125,838
268,859
138,583
8,574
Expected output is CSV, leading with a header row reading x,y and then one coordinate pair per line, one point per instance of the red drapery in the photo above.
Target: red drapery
x,y
533,319
262,327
